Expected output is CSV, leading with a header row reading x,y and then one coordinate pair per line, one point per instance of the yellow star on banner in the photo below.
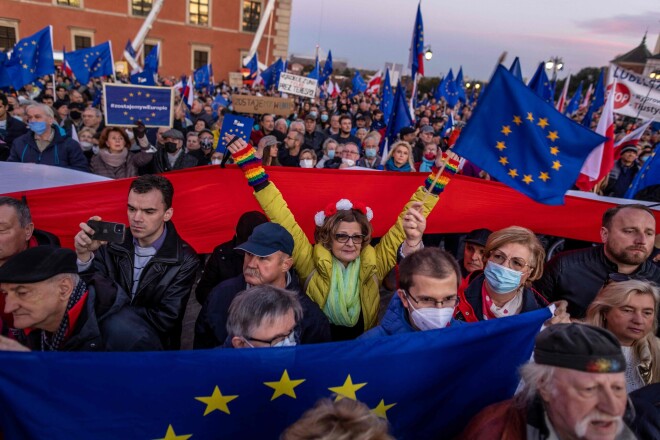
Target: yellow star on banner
x,y
381,409
544,176
513,173
554,151
517,120
543,122
553,136
506,130
285,386
34,43
132,118
216,401
530,117
125,99
125,113
153,115
500,146
147,95
503,160
528,179
347,390
171,435
139,93
153,100
131,94
556,165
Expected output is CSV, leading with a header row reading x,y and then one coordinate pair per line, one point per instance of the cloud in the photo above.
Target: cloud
x,y
623,24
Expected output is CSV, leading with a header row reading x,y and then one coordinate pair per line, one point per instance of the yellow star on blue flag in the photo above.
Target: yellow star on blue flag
x,y
92,62
235,125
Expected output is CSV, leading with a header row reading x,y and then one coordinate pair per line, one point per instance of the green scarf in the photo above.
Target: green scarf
x,y
343,304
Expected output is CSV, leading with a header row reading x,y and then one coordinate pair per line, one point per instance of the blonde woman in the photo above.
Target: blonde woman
x,y
400,158
629,309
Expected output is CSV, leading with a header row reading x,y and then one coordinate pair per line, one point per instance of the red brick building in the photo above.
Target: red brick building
x,y
191,32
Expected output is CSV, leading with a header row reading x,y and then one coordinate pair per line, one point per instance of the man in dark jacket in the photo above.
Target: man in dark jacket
x,y
267,261
10,128
153,264
173,156
45,143
64,313
628,233
314,138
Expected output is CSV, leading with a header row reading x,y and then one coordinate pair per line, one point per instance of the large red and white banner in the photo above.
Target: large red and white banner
x,y
209,200
634,93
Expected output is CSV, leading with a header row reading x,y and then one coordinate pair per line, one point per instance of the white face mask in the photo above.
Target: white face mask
x,y
289,341
349,162
306,163
431,318
216,161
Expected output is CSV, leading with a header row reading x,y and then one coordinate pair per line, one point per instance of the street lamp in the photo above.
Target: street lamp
x,y
428,53
555,64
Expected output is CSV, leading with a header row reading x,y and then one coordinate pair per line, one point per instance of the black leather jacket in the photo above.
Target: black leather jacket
x,y
165,282
577,276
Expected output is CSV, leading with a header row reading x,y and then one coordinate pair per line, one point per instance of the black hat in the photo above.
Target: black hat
x,y
406,130
38,264
478,236
579,347
173,133
266,239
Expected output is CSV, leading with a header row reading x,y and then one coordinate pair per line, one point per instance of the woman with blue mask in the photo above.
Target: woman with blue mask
x,y
329,152
513,259
371,157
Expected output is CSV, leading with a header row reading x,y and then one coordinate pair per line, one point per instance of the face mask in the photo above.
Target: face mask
x,y
95,149
73,114
502,279
294,116
429,156
39,127
349,162
331,154
206,143
86,146
306,163
370,153
324,118
170,147
289,341
230,108
644,158
313,115
216,161
431,318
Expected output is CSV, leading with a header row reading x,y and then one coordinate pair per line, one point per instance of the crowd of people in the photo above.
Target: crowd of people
x,y
269,286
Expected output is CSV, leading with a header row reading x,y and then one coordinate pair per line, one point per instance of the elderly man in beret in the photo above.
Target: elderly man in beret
x,y
55,310
574,389
172,156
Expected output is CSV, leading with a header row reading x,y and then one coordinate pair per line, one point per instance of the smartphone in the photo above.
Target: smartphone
x,y
108,231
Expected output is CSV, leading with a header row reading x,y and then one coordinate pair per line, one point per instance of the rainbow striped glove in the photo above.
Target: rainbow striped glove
x,y
445,177
251,166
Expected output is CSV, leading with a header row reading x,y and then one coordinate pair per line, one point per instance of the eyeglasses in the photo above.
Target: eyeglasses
x,y
426,303
357,238
516,263
351,152
276,340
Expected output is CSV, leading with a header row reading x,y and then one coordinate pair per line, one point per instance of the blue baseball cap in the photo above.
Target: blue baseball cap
x,y
266,239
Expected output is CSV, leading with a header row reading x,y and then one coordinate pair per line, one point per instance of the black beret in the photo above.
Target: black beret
x,y
38,264
478,236
579,347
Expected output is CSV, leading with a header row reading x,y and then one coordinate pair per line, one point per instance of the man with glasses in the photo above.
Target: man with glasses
x,y
350,155
289,155
266,263
427,294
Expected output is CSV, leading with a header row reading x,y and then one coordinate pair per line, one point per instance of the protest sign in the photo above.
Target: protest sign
x,y
235,80
240,126
126,104
263,105
635,94
297,85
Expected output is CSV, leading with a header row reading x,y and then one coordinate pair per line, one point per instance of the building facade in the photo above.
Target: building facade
x,y
191,32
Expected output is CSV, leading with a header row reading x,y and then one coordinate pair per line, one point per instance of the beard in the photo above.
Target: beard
x,y
254,274
633,255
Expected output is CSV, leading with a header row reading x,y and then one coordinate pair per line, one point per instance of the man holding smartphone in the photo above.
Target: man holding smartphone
x,y
153,264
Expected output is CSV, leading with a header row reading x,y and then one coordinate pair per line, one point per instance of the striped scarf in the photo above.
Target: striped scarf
x,y
52,342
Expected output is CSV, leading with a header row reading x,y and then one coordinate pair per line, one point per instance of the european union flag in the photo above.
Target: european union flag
x,y
144,78
459,86
240,126
597,102
271,76
151,61
400,116
125,105
314,74
358,83
427,385
219,101
524,142
387,100
91,62
647,176
327,69
574,103
447,89
515,69
541,84
202,76
31,58
416,63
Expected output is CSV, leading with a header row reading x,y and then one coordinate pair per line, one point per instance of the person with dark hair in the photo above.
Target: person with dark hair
x,y
345,127
115,160
55,310
342,272
10,128
266,127
427,294
628,233
172,156
153,265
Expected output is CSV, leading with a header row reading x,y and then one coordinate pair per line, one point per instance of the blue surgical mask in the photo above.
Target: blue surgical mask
x,y
370,152
39,127
324,118
501,279
313,115
289,341
331,154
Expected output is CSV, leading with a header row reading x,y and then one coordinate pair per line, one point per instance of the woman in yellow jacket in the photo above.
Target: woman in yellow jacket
x,y
342,273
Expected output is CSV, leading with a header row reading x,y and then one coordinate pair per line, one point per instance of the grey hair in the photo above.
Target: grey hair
x,y
96,111
281,120
22,210
299,136
328,141
48,111
74,277
257,304
534,377
300,127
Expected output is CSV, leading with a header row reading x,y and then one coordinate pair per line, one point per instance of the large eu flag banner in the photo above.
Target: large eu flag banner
x,y
523,142
91,62
31,58
240,126
426,384
127,104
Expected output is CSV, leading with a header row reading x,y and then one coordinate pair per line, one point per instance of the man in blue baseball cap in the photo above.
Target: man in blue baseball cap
x,y
267,261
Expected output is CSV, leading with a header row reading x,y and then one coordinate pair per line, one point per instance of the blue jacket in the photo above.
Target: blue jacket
x,y
61,152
